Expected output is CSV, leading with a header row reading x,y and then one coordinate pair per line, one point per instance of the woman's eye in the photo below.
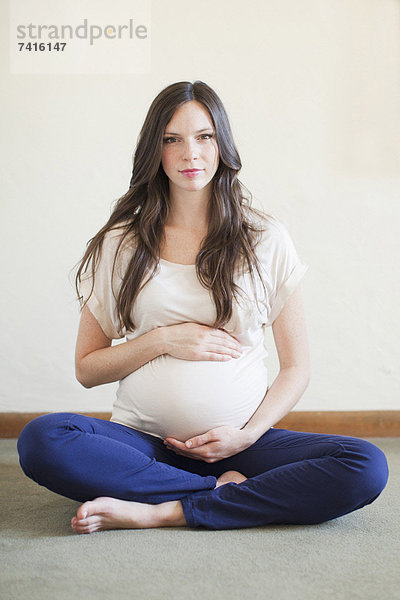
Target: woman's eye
x,y
204,136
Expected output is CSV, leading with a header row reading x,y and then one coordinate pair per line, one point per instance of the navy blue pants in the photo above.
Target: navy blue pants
x,y
293,477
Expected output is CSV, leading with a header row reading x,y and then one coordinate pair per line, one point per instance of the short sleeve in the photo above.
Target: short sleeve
x,y
281,265
102,301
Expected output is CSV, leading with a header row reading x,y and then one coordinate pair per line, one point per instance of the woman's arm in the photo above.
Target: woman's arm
x,y
98,362
290,335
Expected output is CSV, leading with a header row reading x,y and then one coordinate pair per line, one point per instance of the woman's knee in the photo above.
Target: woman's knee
x,y
378,469
38,439
371,469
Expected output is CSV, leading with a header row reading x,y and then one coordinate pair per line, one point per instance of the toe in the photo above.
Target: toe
x,y
88,526
90,522
82,530
83,511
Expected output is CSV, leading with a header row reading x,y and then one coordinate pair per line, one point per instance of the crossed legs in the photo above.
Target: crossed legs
x,y
127,479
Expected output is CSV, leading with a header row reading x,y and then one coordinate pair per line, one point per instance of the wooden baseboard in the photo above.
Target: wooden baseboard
x,y
363,423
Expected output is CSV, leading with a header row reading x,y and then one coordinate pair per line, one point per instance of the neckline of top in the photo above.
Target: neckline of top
x,y
168,262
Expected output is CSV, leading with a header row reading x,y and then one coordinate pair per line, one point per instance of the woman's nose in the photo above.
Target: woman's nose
x,y
190,150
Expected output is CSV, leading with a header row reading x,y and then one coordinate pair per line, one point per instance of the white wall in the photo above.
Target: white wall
x,y
312,91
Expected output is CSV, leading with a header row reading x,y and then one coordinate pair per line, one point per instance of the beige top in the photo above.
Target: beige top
x,y
180,398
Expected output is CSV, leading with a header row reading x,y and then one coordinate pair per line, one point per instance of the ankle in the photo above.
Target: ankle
x,y
171,514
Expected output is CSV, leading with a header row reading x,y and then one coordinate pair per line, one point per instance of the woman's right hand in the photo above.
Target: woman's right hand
x,y
192,341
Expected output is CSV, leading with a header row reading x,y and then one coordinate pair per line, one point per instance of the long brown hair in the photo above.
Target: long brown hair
x,y
142,212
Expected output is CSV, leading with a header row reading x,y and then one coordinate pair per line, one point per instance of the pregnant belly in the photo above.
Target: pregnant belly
x,y
179,398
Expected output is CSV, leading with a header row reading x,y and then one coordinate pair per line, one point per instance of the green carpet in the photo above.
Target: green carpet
x,y
353,557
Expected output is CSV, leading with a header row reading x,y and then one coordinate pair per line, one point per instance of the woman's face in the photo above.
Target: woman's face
x,y
189,143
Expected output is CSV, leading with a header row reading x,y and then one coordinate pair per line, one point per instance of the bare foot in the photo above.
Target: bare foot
x,y
111,513
230,477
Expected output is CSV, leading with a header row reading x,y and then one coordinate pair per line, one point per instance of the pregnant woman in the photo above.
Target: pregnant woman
x,y
191,275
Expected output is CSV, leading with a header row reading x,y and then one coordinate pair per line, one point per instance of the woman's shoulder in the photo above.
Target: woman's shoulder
x,y
118,245
268,224
274,243
115,233
118,237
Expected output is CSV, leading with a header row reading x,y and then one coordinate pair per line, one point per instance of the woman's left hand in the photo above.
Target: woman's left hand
x,y
214,445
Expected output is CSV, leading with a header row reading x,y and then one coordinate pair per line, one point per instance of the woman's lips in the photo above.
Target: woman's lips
x,y
191,172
